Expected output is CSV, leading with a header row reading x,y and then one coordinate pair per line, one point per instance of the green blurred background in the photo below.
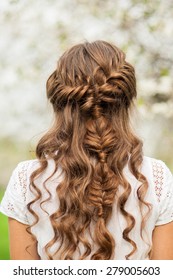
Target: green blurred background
x,y
4,252
34,36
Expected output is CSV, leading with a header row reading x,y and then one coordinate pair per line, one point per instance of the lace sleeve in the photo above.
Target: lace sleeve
x,y
14,203
163,183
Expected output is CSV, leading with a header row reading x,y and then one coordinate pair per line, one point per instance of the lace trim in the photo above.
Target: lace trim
x,y
158,178
22,176
10,207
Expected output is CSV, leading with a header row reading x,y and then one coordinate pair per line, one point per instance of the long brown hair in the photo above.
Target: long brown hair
x,y
91,91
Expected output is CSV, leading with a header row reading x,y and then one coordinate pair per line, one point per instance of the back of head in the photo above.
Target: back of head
x,y
91,91
95,75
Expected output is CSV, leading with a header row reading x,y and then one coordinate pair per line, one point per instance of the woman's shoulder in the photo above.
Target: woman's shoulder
x,y
21,173
27,165
161,177
155,167
158,168
14,201
153,161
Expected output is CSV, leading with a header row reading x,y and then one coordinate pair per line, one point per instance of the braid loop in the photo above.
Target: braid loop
x,y
103,91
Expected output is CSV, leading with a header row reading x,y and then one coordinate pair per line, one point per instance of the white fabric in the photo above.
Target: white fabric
x,y
159,194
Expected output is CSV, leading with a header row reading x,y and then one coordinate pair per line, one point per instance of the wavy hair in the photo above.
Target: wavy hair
x,y
92,92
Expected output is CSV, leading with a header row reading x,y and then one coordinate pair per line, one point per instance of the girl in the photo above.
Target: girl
x,y
90,194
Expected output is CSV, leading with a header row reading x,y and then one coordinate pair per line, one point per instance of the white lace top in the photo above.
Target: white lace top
x,y
159,194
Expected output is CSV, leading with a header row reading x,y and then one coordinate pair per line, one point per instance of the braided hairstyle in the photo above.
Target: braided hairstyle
x,y
91,91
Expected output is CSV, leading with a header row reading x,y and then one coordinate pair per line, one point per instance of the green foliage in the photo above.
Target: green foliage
x,y
4,242
164,72
140,101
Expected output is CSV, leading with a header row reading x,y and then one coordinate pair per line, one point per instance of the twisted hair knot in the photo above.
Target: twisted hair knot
x,y
102,156
92,99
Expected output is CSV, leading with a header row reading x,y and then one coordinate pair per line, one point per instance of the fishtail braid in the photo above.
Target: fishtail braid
x,y
100,140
